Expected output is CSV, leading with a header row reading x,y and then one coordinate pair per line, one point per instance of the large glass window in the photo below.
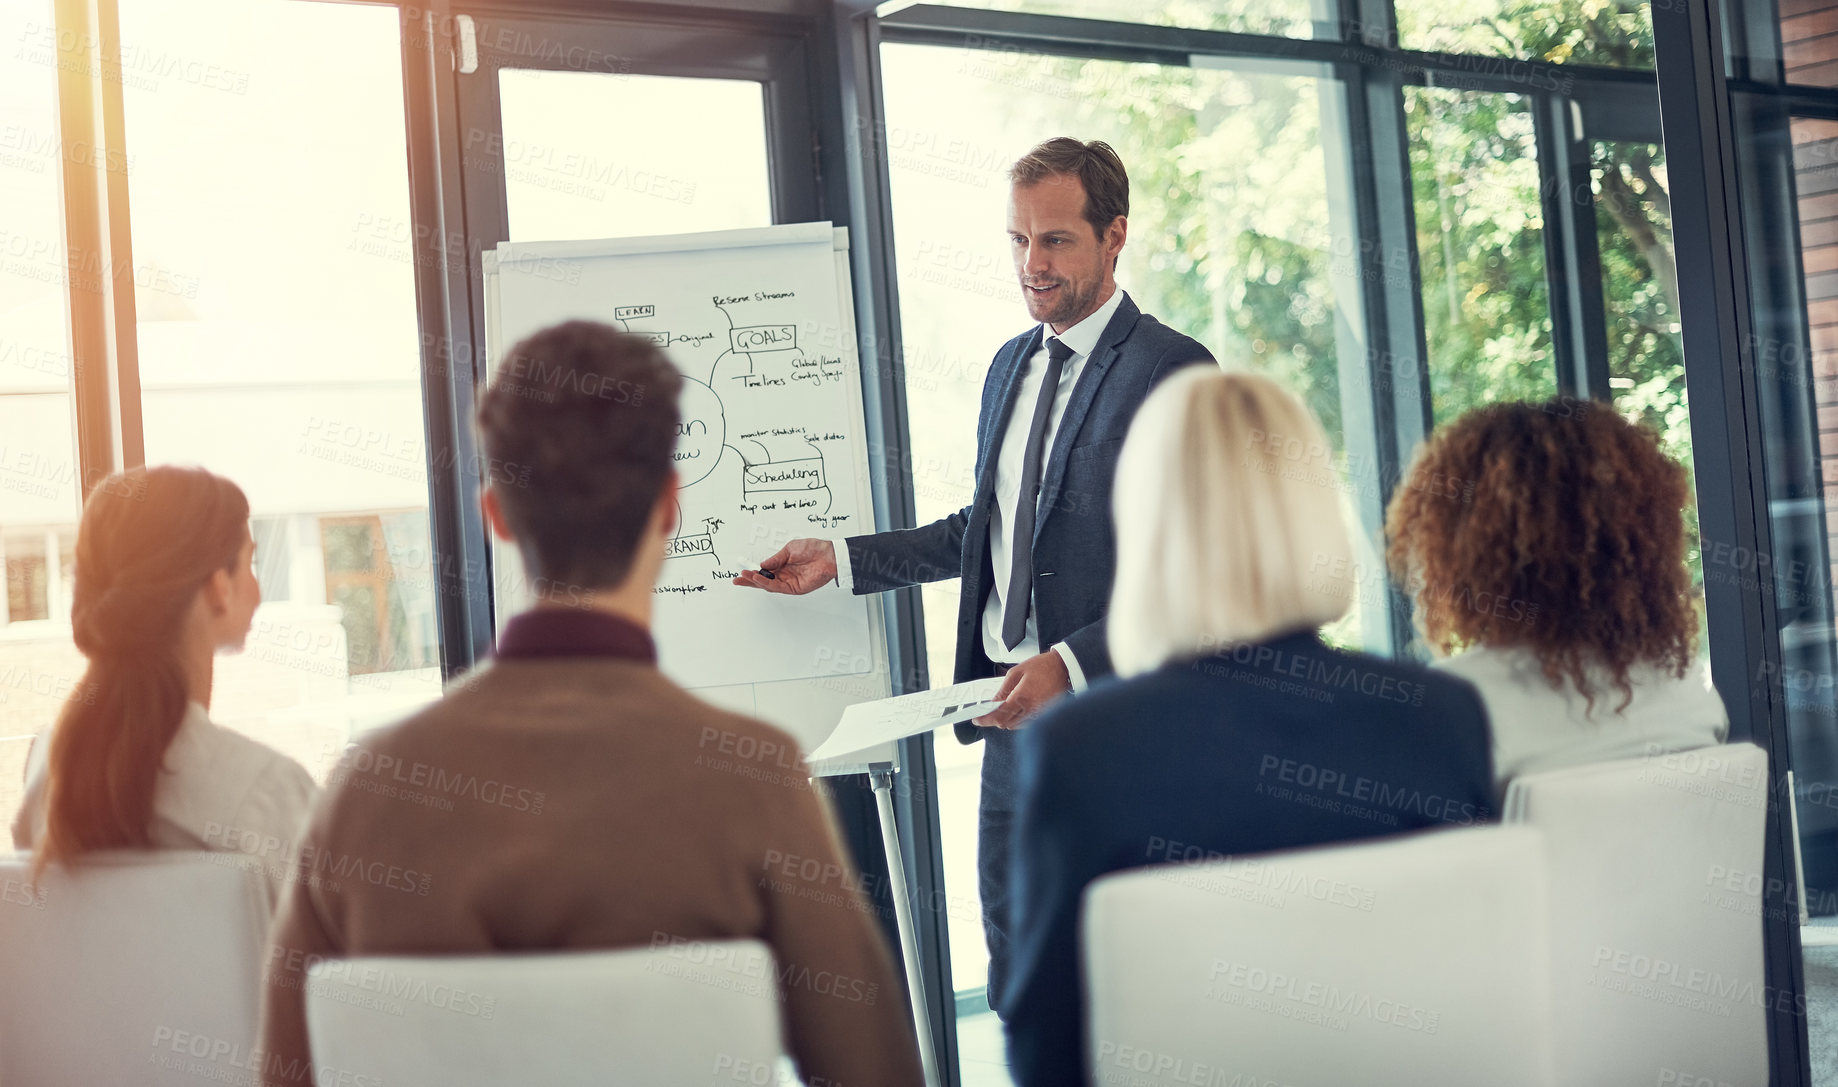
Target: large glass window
x,y
1288,18
1610,33
1646,364
564,179
279,345
1646,361
38,459
1480,245
1805,443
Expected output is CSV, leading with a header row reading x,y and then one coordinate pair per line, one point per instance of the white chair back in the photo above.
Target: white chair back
x,y
683,1013
131,967
1410,960
1656,897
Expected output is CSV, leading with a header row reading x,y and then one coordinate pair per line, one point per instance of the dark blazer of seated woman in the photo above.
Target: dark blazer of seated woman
x,y
1275,741
1284,744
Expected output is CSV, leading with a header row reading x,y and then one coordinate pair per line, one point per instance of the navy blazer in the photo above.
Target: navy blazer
x,y
1074,546
1273,746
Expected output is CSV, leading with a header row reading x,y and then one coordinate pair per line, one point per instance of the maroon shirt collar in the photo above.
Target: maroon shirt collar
x,y
574,632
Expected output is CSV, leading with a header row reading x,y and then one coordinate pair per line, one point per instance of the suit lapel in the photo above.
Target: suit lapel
x,y
1013,367
1083,394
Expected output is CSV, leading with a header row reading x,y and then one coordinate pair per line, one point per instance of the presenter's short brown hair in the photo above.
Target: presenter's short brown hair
x,y
1095,164
578,426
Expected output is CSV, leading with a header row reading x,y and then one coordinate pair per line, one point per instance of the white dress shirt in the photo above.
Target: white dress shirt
x,y
1009,454
1010,451
218,791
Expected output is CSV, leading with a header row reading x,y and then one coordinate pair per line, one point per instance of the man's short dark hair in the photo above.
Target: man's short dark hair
x,y
578,426
1095,164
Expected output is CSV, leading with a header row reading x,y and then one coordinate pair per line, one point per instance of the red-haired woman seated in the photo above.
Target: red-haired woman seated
x,y
1545,545
164,579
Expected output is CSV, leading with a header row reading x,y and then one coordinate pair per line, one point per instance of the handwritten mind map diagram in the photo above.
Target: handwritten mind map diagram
x,y
770,445
781,468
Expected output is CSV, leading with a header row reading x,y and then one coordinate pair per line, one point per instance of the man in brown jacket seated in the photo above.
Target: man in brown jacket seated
x,y
565,795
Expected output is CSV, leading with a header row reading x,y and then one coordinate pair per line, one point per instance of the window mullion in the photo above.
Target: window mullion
x,y
99,264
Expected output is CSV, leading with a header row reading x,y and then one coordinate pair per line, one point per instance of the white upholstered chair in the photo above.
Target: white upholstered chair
x,y
1412,960
136,968
1656,904
679,1014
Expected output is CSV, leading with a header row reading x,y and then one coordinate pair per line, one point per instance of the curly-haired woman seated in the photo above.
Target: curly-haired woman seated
x,y
1546,544
1237,730
163,580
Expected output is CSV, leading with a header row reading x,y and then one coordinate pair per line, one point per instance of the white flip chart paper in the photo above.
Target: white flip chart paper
x,y
771,446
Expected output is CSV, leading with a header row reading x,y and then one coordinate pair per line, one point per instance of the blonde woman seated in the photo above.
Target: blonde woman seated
x,y
1545,545
164,579
1232,728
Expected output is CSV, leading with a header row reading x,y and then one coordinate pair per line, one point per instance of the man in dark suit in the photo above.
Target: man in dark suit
x,y
1034,547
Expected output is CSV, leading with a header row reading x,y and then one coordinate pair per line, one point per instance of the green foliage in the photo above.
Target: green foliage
x,y
1610,33
1480,249
1228,234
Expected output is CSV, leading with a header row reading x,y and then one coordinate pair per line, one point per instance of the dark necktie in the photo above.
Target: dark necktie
x,y
1020,596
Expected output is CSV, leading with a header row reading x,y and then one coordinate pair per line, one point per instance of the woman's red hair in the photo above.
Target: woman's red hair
x,y
1557,528
149,539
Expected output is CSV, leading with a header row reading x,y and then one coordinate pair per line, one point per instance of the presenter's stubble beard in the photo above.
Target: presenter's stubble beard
x,y
1066,304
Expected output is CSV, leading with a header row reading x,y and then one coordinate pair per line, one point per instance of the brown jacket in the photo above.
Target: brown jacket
x,y
588,802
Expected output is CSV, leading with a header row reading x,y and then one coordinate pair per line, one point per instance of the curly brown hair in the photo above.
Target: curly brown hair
x,y
1554,527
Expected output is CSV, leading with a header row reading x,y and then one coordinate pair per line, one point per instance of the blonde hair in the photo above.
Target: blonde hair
x,y
1229,524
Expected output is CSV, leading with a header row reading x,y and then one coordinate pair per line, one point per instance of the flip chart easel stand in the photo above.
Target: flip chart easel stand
x,y
880,777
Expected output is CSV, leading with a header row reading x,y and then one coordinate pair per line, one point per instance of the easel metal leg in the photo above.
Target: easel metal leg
x,y
882,781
